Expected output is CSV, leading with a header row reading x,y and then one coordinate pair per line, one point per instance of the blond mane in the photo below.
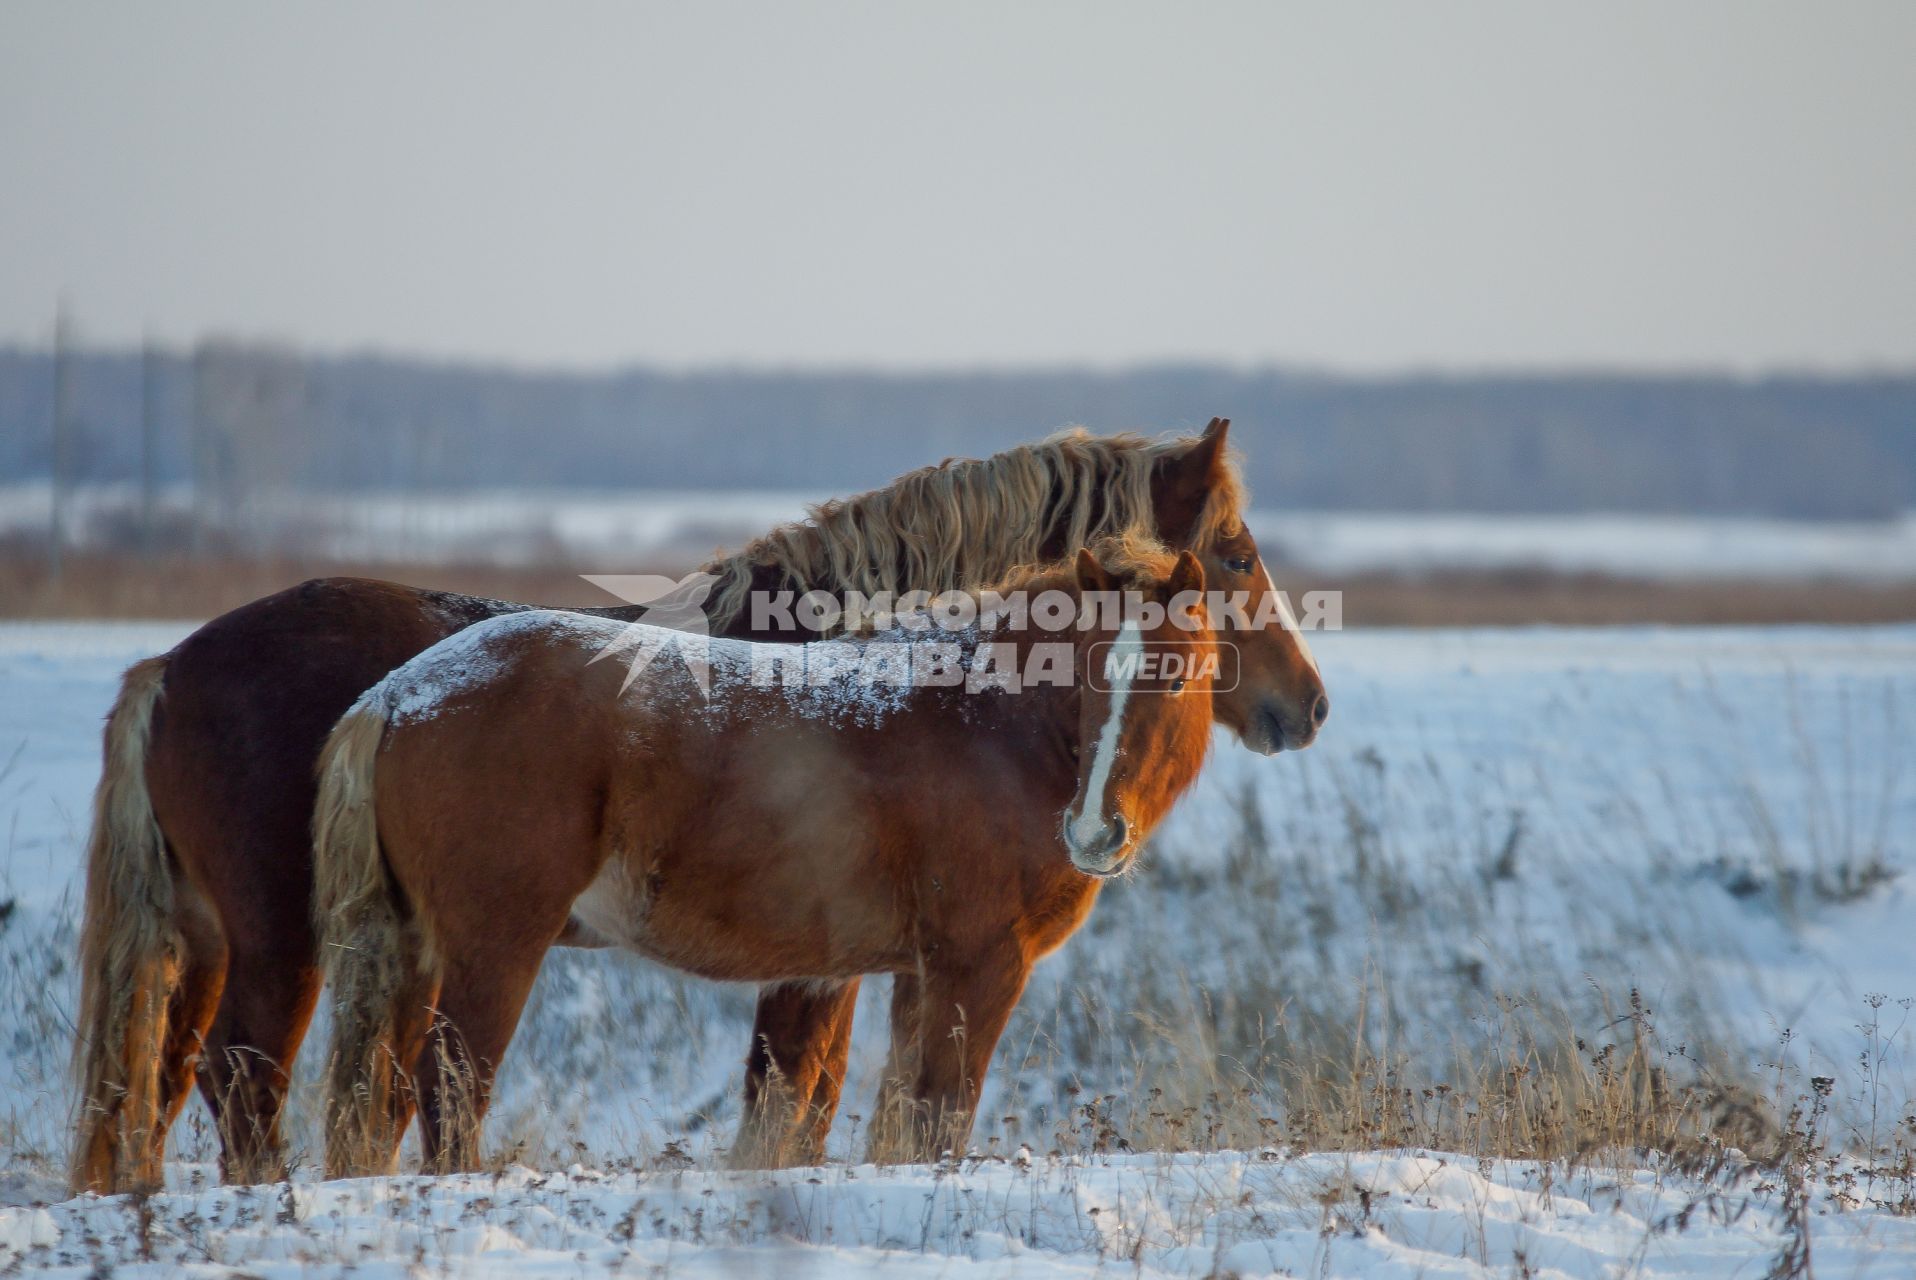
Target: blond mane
x,y
965,523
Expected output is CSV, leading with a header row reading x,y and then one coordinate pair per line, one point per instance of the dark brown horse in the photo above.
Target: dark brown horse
x,y
806,819
198,955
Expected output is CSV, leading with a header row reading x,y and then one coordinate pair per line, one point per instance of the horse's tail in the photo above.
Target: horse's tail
x,y
372,948
130,949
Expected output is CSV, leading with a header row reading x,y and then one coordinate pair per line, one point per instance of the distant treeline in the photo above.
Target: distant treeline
x,y
234,417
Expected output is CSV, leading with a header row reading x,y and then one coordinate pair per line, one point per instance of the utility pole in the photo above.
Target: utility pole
x,y
202,501
149,428
62,436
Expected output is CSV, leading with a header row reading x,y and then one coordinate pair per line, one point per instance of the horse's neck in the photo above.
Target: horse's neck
x,y
1041,718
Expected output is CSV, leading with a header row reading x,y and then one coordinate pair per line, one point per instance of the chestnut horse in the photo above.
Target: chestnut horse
x,y
198,957
502,789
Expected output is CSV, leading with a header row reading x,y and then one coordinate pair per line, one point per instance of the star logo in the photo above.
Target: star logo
x,y
674,619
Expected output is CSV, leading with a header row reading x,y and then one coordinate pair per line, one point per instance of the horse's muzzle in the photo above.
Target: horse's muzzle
x,y
1104,855
1274,731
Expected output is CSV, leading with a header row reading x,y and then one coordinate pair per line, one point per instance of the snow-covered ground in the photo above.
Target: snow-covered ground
x,y
653,527
1501,835
1375,1216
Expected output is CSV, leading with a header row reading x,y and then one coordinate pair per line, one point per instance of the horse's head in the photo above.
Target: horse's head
x,y
1144,680
1278,700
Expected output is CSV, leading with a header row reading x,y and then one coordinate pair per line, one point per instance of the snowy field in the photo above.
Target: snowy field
x,y
641,526
1515,858
1369,1216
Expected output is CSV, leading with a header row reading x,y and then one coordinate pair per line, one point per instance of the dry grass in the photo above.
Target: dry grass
x,y
1522,597
97,586
170,586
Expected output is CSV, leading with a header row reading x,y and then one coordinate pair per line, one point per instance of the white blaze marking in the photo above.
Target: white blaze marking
x,y
1123,657
1289,619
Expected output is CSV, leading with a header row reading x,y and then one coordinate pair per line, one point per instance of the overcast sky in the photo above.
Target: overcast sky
x,y
1361,186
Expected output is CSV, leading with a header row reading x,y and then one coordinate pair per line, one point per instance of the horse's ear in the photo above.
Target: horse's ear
x,y
1184,482
1186,575
1092,575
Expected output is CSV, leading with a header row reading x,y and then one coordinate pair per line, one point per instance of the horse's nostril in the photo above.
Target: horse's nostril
x,y
1120,834
1320,710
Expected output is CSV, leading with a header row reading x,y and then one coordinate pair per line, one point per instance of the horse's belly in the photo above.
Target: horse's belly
x,y
613,909
740,927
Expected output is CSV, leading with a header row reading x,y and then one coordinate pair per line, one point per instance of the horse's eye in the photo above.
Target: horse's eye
x,y
1238,564
1177,686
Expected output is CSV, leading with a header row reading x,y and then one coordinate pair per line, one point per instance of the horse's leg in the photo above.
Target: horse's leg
x,y
480,1000
894,1114
801,1042
962,1008
231,775
190,1010
272,983
249,872
263,1015
414,1013
829,1083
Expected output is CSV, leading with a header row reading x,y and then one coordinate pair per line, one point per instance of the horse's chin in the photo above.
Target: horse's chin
x,y
1110,872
